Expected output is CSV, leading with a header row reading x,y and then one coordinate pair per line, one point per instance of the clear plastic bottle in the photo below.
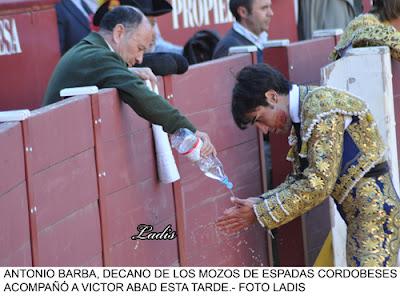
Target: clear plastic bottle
x,y
189,145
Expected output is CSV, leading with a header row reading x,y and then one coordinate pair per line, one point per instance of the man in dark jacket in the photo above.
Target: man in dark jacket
x,y
102,59
252,23
73,19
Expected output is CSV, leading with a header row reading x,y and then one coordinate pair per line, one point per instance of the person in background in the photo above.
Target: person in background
x,y
380,27
74,21
336,151
325,14
253,18
103,59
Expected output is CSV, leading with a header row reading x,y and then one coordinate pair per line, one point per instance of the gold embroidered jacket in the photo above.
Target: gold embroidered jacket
x,y
366,30
338,157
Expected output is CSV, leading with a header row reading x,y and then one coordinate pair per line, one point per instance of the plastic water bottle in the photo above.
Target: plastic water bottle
x,y
189,145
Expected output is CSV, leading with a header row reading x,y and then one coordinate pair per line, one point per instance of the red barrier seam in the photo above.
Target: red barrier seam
x,y
94,101
31,201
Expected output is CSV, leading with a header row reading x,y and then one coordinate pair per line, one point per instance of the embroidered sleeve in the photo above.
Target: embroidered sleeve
x,y
379,35
295,197
346,38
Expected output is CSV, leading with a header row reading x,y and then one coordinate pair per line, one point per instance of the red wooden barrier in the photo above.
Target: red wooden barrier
x,y
90,179
200,200
130,193
300,62
29,50
62,186
298,242
396,99
15,247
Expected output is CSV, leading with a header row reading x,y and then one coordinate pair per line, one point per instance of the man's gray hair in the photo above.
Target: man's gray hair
x,y
129,16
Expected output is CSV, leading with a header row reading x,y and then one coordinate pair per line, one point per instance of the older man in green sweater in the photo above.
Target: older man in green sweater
x,y
103,59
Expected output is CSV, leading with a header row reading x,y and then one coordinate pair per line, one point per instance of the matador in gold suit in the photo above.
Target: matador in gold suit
x,y
336,151
341,155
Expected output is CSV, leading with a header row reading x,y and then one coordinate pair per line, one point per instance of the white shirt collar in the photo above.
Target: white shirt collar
x,y
294,103
258,41
109,46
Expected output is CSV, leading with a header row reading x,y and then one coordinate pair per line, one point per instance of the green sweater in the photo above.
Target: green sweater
x,y
91,62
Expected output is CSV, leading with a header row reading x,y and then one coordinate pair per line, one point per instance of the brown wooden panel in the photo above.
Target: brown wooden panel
x,y
73,241
127,160
306,59
144,203
146,253
396,77
317,227
290,244
198,199
206,246
240,164
204,200
277,57
397,118
59,131
62,184
15,249
12,168
207,85
210,108
147,202
301,61
281,167
130,191
219,125
396,99
117,118
64,188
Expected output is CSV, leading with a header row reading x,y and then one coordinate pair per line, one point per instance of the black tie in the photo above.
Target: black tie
x,y
303,161
297,130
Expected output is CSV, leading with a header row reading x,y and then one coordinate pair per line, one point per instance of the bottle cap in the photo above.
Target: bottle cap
x,y
227,183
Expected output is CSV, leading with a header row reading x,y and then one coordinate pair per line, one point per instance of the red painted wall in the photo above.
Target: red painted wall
x,y
29,50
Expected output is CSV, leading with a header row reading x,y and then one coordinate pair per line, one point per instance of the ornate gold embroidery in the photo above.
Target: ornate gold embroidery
x,y
314,186
323,166
366,30
323,128
373,216
379,35
322,102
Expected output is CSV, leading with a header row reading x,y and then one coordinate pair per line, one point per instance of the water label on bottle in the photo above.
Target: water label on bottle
x,y
194,153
